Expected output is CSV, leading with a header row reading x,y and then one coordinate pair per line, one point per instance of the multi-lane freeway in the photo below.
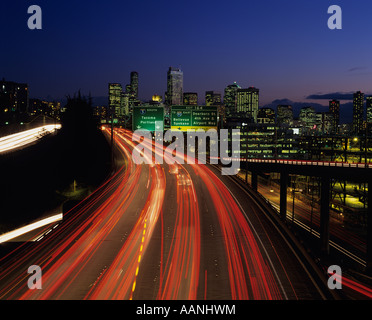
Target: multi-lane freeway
x,y
161,231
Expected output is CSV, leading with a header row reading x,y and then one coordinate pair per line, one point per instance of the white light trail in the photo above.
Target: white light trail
x,y
33,226
23,138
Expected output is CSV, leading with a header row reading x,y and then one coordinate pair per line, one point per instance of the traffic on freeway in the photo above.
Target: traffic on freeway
x,y
161,232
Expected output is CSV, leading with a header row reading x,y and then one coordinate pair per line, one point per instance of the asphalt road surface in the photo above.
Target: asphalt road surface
x,y
160,231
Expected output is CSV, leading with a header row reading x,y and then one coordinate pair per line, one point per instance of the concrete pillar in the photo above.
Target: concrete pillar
x,y
254,180
283,195
324,215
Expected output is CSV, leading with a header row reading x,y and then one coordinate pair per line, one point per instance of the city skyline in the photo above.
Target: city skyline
x,y
301,59
186,150
345,99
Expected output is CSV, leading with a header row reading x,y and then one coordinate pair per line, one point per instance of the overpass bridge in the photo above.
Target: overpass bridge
x,y
326,171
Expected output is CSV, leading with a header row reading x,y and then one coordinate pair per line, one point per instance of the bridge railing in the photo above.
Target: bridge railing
x,y
300,162
311,163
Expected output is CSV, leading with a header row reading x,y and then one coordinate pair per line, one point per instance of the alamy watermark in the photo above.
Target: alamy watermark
x,y
221,149
34,281
335,20
34,21
335,279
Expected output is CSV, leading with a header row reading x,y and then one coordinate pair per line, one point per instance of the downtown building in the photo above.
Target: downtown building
x,y
369,115
133,87
307,118
263,140
121,102
334,109
266,116
116,108
358,113
190,99
174,94
214,99
284,115
248,102
14,100
230,99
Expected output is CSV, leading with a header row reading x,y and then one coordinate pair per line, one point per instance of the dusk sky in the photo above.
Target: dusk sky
x,y
284,48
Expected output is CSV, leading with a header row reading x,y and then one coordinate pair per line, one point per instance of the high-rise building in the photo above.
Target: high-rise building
x,y
324,122
284,115
190,99
212,98
334,109
230,98
369,115
358,112
369,109
307,117
134,83
248,102
174,95
116,99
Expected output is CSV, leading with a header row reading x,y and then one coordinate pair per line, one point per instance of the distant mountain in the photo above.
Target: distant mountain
x,y
346,109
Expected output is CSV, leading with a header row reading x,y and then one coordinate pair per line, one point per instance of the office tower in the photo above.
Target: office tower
x,y
128,89
134,83
324,122
174,95
230,98
266,116
212,98
358,111
369,109
126,103
334,109
116,99
190,99
369,115
247,102
307,117
284,114
13,97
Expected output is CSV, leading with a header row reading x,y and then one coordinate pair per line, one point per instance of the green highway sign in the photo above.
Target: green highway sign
x,y
144,118
185,118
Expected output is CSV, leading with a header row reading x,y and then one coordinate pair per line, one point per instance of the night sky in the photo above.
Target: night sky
x,y
284,47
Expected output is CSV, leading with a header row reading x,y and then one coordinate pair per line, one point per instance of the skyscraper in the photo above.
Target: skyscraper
x,y
369,115
116,99
284,115
334,109
247,102
174,95
307,117
369,109
230,98
134,83
358,111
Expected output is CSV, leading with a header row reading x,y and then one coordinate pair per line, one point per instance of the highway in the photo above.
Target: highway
x,y
161,232
24,138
